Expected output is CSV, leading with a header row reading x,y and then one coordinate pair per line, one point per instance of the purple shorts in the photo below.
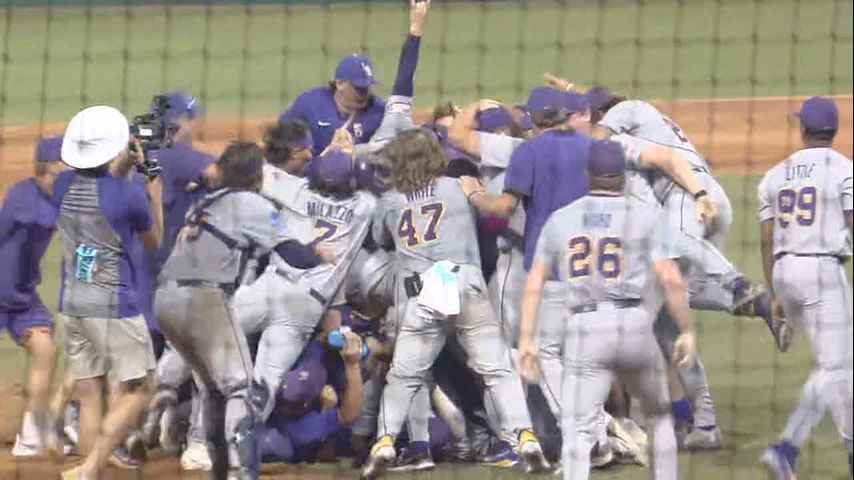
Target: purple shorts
x,y
18,322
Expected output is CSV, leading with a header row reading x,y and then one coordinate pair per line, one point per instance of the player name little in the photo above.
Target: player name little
x,y
799,172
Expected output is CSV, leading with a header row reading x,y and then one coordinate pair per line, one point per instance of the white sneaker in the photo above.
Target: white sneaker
x,y
25,449
700,439
631,439
196,457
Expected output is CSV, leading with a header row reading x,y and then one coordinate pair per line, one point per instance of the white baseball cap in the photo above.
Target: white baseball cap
x,y
94,137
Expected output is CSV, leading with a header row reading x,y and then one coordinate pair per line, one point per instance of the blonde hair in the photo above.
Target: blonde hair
x,y
415,158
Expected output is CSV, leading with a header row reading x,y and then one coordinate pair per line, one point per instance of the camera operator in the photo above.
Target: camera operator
x,y
100,213
187,172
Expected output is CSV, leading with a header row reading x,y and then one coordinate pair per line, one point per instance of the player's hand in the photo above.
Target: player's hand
x,y
559,83
487,103
528,362
324,251
706,210
470,185
328,398
684,350
351,352
418,13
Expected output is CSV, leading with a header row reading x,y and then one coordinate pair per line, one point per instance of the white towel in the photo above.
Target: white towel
x,y
440,290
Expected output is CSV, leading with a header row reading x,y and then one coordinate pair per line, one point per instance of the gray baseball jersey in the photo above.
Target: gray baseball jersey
x,y
809,194
602,247
643,121
247,218
428,225
495,153
314,218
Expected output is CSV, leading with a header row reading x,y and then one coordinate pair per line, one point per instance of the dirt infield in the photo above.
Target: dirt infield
x,y
741,136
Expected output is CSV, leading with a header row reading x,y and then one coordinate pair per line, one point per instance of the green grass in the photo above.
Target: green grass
x,y
253,60
754,388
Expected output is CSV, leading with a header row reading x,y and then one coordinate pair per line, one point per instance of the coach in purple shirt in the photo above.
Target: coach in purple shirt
x,y
27,223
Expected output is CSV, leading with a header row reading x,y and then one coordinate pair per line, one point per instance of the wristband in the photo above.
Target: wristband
x,y
702,193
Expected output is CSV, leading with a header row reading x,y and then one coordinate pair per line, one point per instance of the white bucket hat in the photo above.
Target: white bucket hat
x,y
94,137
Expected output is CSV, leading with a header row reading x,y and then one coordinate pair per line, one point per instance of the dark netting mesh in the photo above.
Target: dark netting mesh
x,y
728,72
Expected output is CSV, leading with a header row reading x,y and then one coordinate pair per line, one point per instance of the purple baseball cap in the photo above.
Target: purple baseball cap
x,y
333,168
607,159
49,149
819,114
543,99
303,383
356,69
180,105
525,120
576,102
492,119
598,97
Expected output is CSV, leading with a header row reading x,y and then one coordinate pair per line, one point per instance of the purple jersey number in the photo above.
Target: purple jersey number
x,y
407,230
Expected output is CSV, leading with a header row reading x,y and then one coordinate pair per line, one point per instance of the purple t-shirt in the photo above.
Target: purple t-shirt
x,y
297,439
27,222
548,171
182,187
316,107
98,218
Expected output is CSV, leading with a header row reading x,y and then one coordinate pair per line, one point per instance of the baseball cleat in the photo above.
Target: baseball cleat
x,y
505,457
777,465
744,296
601,456
631,440
196,457
23,449
122,459
702,439
532,452
169,440
382,455
781,330
413,462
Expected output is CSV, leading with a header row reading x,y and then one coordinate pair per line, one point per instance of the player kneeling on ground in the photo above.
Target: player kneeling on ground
x,y
608,250
193,303
424,217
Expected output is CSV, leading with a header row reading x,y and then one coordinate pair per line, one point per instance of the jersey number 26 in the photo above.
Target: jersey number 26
x,y
608,253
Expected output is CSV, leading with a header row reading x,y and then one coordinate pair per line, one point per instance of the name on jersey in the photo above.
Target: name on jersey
x,y
799,172
425,193
340,213
597,220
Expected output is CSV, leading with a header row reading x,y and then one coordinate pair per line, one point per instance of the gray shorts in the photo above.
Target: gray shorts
x,y
119,348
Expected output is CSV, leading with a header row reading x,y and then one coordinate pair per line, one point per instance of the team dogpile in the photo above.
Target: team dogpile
x,y
506,285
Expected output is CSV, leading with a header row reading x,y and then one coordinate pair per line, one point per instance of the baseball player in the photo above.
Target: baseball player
x,y
223,231
286,304
608,250
27,223
805,214
423,218
348,96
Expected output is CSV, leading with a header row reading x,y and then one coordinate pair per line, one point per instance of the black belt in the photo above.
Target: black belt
x,y
228,288
838,258
594,306
312,292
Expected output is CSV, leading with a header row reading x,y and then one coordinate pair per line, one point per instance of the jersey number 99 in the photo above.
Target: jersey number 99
x,y
608,253
798,202
407,230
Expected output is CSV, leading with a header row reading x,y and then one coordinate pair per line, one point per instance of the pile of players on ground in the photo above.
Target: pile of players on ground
x,y
388,321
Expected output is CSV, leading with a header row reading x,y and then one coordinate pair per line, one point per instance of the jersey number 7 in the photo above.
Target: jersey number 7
x,y
408,231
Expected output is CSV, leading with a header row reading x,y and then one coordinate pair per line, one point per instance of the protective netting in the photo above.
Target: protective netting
x,y
729,73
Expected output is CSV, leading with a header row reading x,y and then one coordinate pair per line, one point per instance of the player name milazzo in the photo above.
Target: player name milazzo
x,y
340,213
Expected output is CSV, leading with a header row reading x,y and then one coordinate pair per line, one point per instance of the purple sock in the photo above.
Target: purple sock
x,y
789,451
682,412
419,448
